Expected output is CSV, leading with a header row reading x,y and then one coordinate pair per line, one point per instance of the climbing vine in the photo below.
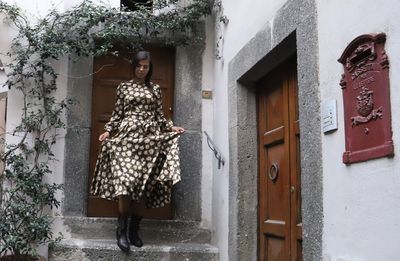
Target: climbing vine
x,y
84,31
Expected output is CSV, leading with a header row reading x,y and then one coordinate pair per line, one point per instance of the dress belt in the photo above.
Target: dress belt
x,y
140,113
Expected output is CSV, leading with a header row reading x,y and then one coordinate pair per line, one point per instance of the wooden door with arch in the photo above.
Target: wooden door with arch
x,y
280,225
109,71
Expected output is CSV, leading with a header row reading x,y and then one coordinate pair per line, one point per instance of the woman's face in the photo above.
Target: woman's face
x,y
142,69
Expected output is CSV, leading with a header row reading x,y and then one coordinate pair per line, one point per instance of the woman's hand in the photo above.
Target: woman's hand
x,y
104,136
178,129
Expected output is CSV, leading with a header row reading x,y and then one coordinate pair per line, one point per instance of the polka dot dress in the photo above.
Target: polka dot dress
x,y
142,158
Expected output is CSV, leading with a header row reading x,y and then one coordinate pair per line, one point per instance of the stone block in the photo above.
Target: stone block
x,y
76,169
187,198
188,88
190,145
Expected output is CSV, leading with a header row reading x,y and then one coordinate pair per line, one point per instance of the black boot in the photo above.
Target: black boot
x,y
122,240
133,231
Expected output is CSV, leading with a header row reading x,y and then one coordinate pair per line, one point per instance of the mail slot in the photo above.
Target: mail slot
x,y
366,99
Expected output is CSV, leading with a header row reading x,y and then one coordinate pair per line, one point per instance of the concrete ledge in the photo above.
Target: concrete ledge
x,y
154,232
96,250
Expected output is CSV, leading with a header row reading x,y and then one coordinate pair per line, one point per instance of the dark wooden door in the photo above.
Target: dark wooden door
x,y
109,71
280,230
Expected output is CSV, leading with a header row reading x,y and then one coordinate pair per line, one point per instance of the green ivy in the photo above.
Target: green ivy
x,y
85,30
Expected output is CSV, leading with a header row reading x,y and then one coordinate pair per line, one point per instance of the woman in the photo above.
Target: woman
x,y
142,158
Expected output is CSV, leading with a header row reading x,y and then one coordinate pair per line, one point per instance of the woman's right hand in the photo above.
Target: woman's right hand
x,y
104,136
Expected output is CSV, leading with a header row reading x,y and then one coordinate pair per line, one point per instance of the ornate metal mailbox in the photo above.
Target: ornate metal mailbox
x,y
366,99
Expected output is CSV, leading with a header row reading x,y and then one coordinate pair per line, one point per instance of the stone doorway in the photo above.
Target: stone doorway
x,y
292,31
108,72
187,105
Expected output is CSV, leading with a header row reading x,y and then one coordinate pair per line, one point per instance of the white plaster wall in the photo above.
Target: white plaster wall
x,y
71,3
246,18
34,10
39,8
206,122
6,36
361,201
14,98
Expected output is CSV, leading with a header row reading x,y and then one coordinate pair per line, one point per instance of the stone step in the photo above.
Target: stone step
x,y
155,232
107,250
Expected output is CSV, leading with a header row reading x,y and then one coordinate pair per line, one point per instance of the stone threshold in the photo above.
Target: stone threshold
x,y
102,250
94,239
151,231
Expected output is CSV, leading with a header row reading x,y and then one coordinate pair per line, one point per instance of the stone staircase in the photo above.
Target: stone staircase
x,y
164,240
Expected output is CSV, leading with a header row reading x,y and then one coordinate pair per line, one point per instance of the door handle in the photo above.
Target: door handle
x,y
273,172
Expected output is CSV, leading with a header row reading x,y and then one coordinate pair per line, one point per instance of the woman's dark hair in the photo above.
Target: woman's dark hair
x,y
140,56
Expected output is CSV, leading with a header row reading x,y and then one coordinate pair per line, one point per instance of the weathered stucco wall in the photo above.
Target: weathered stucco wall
x,y
254,30
361,201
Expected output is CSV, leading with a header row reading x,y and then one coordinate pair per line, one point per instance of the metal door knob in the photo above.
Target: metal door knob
x,y
273,172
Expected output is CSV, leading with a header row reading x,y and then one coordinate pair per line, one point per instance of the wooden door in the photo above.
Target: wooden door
x,y
109,71
280,230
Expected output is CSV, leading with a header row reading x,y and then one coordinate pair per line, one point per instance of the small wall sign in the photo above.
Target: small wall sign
x,y
366,99
329,116
206,94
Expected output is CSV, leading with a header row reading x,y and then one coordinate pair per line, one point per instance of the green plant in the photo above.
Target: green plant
x,y
85,30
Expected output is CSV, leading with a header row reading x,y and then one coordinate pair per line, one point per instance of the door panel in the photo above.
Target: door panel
x,y
274,105
109,71
276,190
279,176
275,248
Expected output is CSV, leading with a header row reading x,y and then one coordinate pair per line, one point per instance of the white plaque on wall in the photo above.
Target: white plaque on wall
x,y
329,116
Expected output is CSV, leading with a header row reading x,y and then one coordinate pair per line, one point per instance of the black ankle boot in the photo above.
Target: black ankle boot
x,y
122,240
133,231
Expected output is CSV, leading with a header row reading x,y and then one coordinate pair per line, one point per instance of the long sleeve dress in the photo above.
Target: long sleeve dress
x,y
142,158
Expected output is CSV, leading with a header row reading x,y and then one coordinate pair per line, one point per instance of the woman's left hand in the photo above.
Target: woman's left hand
x,y
178,129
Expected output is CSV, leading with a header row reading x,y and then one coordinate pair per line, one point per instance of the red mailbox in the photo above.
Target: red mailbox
x,y
366,99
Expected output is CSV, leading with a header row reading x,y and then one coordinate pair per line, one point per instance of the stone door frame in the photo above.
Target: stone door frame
x,y
294,30
187,113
